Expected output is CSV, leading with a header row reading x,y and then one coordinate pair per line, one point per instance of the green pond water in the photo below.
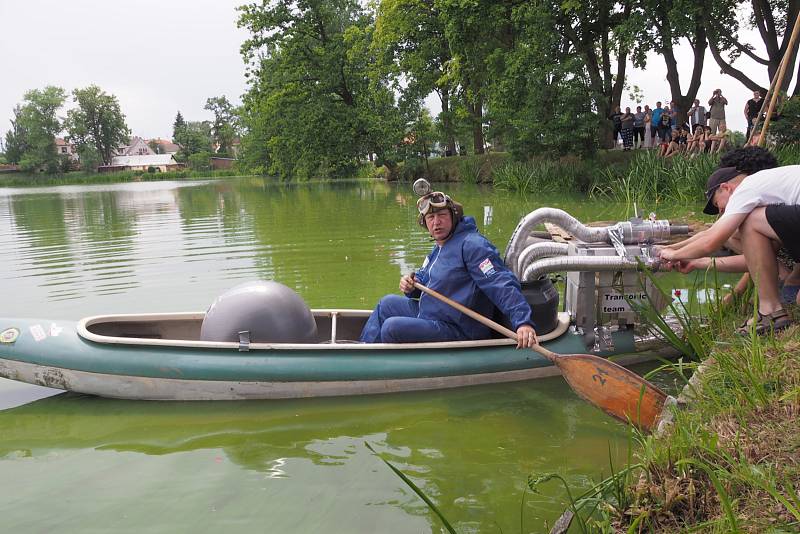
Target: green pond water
x,y
76,463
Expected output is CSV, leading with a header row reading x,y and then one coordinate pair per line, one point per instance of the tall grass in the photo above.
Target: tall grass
x,y
546,176
654,179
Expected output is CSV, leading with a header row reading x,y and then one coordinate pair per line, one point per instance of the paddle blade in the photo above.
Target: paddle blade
x,y
617,391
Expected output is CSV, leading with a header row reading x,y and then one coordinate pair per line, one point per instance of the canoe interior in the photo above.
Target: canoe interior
x,y
336,329
348,326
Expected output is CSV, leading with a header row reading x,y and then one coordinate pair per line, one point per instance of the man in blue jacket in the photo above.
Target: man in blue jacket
x,y
464,266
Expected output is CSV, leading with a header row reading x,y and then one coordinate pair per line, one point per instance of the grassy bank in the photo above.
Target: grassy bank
x,y
77,178
730,460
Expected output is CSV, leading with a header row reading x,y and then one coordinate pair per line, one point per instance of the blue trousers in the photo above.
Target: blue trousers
x,y
394,320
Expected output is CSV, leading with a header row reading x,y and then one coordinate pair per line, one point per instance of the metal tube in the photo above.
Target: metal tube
x,y
538,250
641,231
558,217
581,263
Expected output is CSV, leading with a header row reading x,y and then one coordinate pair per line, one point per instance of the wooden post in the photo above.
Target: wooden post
x,y
781,72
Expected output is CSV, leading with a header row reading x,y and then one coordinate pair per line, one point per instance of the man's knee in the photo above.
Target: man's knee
x,y
391,305
395,330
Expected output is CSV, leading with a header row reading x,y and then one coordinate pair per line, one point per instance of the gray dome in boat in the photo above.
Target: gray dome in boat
x,y
269,311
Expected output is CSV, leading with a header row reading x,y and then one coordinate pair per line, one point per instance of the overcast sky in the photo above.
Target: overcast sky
x,y
162,56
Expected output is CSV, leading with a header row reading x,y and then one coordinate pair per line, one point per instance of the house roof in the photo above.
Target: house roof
x,y
61,142
135,161
167,145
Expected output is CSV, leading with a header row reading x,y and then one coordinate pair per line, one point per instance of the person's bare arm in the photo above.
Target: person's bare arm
x,y
713,239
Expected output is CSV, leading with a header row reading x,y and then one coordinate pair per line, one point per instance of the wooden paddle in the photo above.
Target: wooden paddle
x,y
617,391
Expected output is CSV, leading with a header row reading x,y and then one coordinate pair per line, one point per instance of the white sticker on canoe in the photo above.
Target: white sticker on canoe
x,y
38,332
55,330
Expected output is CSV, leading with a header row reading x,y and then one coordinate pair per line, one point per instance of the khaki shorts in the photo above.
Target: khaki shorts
x,y
714,124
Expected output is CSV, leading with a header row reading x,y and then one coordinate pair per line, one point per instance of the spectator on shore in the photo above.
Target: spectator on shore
x,y
647,141
627,120
638,127
674,111
654,123
752,109
665,127
697,115
721,141
616,119
697,143
717,104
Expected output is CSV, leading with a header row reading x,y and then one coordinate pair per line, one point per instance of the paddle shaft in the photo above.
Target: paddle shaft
x,y
550,355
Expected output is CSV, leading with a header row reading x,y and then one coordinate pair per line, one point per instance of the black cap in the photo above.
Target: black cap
x,y
717,178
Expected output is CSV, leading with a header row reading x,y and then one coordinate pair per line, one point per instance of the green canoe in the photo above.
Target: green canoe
x,y
161,357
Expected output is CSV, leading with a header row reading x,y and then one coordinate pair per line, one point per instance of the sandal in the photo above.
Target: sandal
x,y
771,322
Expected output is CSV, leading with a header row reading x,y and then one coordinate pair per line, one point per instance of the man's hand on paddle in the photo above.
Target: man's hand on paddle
x,y
407,283
526,337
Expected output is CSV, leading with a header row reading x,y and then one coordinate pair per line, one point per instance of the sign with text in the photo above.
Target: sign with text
x,y
620,302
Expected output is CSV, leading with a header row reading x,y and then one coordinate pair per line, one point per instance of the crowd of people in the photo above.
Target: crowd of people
x,y
666,129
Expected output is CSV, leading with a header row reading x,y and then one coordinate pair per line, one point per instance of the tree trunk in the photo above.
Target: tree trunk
x,y
447,123
476,110
673,77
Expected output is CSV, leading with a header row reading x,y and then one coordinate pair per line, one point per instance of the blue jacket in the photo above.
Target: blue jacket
x,y
468,269
655,116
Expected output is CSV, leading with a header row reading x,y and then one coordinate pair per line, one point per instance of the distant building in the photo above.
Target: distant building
x,y
159,162
221,163
65,148
163,146
137,147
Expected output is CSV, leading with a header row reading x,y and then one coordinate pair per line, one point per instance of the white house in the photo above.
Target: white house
x,y
159,162
137,147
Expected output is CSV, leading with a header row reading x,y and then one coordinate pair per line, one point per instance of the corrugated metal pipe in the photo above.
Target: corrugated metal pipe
x,y
541,249
642,231
582,263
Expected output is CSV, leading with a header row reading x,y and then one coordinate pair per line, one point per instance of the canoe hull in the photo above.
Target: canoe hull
x,y
149,388
55,355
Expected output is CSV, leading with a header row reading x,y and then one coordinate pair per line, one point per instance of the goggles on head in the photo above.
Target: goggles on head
x,y
437,199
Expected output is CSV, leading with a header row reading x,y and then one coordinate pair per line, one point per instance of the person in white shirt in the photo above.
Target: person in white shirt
x,y
764,208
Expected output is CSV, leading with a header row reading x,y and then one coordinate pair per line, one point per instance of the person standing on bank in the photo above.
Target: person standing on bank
x,y
751,110
627,121
717,104
764,208
697,115
464,266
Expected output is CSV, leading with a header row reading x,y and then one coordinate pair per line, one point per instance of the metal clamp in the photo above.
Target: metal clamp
x,y
615,235
244,341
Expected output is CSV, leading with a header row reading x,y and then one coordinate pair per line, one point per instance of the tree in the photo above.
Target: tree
x,y
38,117
598,33
538,101
177,126
16,138
225,125
316,107
193,137
410,43
478,34
771,19
97,122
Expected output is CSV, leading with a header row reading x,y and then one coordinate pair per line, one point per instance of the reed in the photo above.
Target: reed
x,y
545,176
653,179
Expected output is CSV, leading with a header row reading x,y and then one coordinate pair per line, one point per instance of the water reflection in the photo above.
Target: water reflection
x,y
470,449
